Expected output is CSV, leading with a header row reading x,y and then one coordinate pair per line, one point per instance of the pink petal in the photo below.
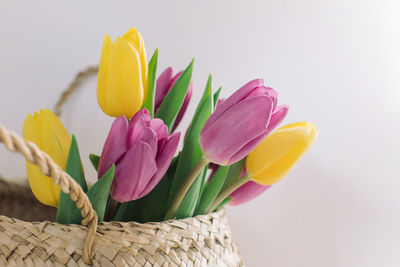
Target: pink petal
x,y
277,117
133,172
233,99
159,128
247,192
115,145
235,128
273,94
246,149
261,90
142,115
164,159
145,134
162,86
220,101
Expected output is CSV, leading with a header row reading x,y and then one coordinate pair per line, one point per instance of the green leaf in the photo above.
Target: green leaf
x,y
191,200
223,203
67,212
234,173
94,159
99,192
149,99
158,197
191,154
173,101
205,180
215,97
212,190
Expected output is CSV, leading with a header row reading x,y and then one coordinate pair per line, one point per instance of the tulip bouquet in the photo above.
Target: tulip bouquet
x,y
230,153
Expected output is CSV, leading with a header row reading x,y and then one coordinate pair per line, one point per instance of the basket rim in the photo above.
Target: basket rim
x,y
23,184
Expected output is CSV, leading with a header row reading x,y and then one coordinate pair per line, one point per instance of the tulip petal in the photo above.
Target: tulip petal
x,y
49,134
260,90
277,153
247,192
143,62
163,160
139,132
277,117
115,145
233,99
235,128
102,77
133,172
41,185
134,38
142,115
125,79
56,140
159,128
274,95
247,148
162,86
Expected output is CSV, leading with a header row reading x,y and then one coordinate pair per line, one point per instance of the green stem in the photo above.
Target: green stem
x,y
229,190
185,188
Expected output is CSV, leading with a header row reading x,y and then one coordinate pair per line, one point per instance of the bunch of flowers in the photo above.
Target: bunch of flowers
x,y
230,154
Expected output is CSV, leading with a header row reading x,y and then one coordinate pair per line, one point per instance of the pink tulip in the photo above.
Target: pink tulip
x,y
247,192
141,150
240,123
164,83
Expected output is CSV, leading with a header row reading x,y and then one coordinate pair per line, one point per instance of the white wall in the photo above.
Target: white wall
x,y
336,63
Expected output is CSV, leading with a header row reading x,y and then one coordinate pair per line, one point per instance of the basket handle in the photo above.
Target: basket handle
x,y
73,86
48,167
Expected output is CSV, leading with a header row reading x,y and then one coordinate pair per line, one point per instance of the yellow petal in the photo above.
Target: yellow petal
x,y
134,37
144,64
48,133
42,186
56,140
102,74
125,88
277,153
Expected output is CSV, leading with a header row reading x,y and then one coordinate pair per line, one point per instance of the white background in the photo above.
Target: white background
x,y
336,63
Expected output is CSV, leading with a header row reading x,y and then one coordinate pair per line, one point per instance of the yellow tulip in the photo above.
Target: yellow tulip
x,y
278,152
47,132
122,77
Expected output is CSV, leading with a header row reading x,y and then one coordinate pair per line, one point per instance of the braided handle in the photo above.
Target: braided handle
x,y
48,167
74,85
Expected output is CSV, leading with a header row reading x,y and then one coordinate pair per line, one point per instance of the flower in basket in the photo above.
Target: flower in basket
x,y
269,162
137,166
48,133
141,150
164,84
240,123
247,192
276,155
122,78
273,158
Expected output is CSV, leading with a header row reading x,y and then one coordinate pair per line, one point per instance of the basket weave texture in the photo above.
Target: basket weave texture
x,y
204,240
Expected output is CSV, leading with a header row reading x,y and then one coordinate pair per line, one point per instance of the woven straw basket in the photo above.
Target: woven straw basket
x,y
30,237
